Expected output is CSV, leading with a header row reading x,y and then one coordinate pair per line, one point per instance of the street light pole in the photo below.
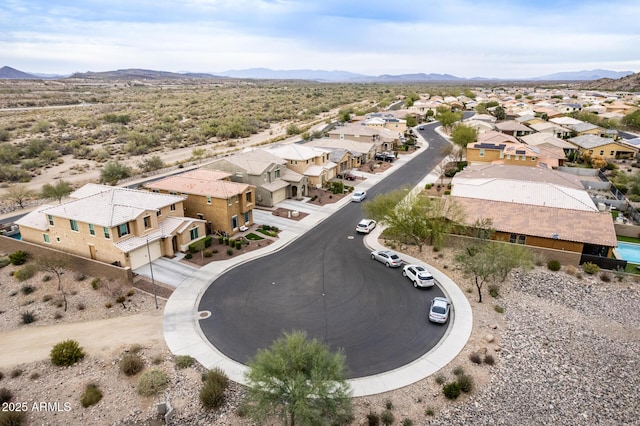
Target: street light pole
x,y
153,282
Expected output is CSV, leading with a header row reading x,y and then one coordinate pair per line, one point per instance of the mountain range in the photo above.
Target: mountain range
x,y
305,74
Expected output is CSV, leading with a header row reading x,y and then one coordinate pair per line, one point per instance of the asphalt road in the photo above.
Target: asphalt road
x,y
326,284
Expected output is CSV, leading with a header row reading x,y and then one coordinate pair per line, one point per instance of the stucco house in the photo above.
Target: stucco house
x,y
513,128
223,204
125,227
312,162
360,152
517,154
597,146
273,180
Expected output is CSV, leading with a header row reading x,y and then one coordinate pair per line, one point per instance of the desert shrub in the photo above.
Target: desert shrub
x,y
499,309
440,379
216,375
458,371
579,275
451,390
475,358
66,353
605,277
108,305
1,375
135,348
46,298
26,272
407,422
131,364
388,404
429,411
466,383
207,253
590,268
28,317
131,292
79,276
13,418
571,270
229,251
46,278
539,259
157,359
494,291
188,256
5,395
27,289
152,381
387,417
212,394
80,306
373,419
184,361
553,265
95,283
91,396
4,261
34,376
16,372
19,257
489,359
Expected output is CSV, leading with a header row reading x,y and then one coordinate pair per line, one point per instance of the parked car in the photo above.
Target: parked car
x,y
418,275
359,196
380,155
389,156
421,128
439,310
365,226
346,176
389,258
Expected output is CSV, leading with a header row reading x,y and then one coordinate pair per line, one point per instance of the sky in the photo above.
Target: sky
x,y
465,38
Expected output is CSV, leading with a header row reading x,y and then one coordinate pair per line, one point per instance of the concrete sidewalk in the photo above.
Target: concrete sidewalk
x,y
184,336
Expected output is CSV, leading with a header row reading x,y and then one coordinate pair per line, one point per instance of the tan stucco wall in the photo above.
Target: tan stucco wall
x,y
219,212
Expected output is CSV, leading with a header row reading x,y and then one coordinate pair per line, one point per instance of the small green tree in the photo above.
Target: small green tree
x,y
463,135
66,353
300,380
114,171
57,191
151,164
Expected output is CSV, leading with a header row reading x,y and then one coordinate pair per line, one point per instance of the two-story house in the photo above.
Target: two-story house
x,y
314,163
360,152
513,128
517,154
274,182
606,148
223,204
125,227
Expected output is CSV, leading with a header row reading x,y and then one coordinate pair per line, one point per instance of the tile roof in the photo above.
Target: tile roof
x,y
200,182
298,152
111,206
166,228
35,219
355,147
496,137
590,227
512,125
593,141
535,139
254,162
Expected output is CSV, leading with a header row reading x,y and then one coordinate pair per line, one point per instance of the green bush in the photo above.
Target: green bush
x,y
605,277
4,261
388,404
429,411
207,253
18,258
216,375
212,394
5,395
466,383
207,241
590,268
152,382
440,379
428,186
220,239
91,396
494,291
95,283
238,244
66,353
13,418
451,390
131,364
458,371
499,309
184,361
553,265
407,422
387,417
373,419
188,256
229,251
26,272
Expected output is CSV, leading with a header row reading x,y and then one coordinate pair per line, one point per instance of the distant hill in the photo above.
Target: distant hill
x,y
12,73
269,74
583,75
418,77
139,74
630,83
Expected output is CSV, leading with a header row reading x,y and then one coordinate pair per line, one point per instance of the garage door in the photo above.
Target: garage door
x,y
279,195
139,257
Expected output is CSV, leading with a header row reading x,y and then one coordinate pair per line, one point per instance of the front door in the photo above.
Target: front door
x,y
92,251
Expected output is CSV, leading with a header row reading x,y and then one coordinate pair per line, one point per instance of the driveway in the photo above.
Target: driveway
x,y
167,271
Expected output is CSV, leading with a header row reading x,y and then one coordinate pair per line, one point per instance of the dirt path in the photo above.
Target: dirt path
x,y
100,336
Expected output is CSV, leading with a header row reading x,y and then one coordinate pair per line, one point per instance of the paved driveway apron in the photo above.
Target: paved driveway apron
x,y
326,283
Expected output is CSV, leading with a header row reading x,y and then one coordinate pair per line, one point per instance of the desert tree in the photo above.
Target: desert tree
x,y
300,380
56,191
114,171
461,136
55,264
447,118
151,164
19,194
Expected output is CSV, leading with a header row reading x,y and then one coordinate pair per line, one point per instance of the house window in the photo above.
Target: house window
x,y
74,225
173,193
517,158
58,239
92,230
237,197
482,153
208,199
107,234
200,216
590,152
173,207
147,222
234,222
602,152
517,239
248,197
508,156
501,154
46,238
50,218
533,158
611,153
229,201
123,230
193,233
247,217
277,173
158,213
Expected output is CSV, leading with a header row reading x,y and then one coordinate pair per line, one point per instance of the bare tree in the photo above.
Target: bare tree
x,y
55,264
19,194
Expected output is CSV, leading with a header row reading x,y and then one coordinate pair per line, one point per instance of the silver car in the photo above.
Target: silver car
x,y
439,310
359,196
389,258
418,275
365,226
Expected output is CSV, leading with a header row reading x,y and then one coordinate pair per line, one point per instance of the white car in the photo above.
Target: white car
x,y
365,226
439,310
359,196
419,276
389,258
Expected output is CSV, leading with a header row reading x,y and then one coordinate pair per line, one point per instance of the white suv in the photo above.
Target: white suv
x,y
418,275
365,226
